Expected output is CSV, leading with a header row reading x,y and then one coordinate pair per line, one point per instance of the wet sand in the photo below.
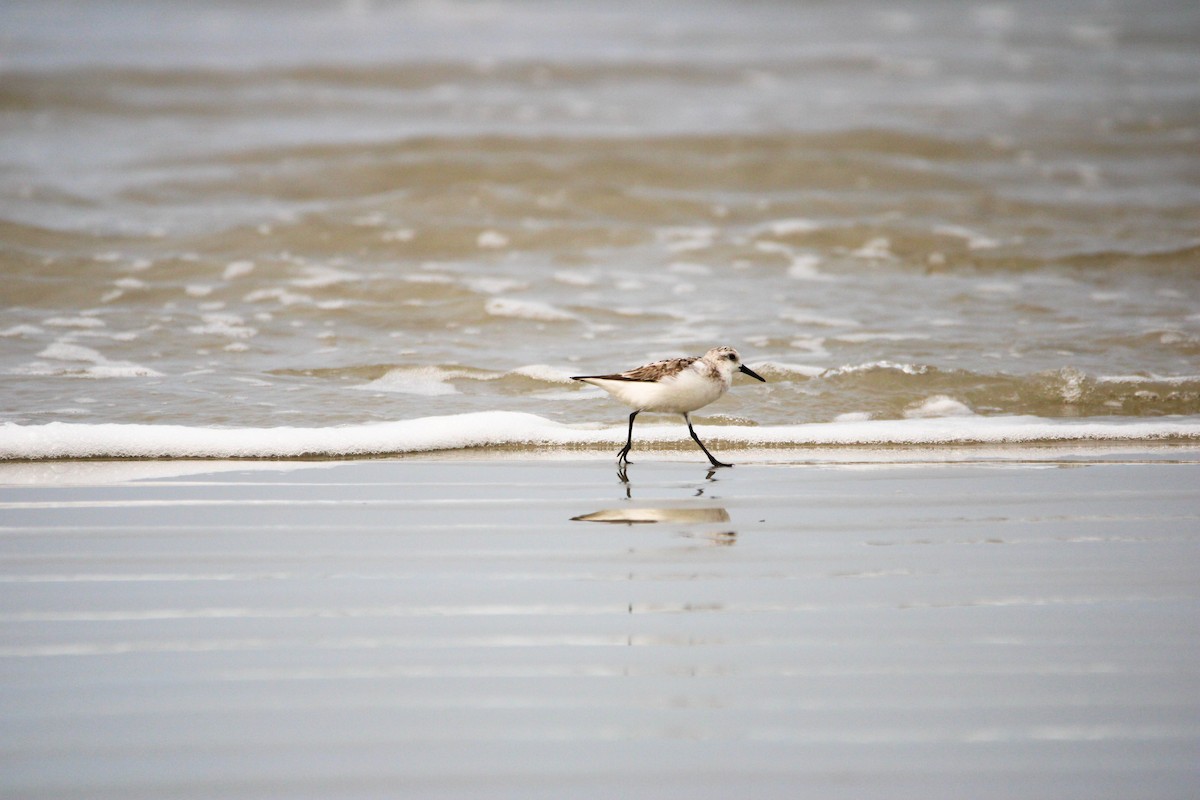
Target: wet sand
x,y
905,627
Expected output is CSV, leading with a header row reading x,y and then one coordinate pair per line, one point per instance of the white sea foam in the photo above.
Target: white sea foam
x,y
850,369
493,429
862,338
228,325
544,372
1167,379
776,248
788,227
784,369
490,284
687,239
526,309
64,351
236,269
804,267
975,240
813,345
426,381
938,406
876,249
321,277
284,297
73,322
575,278
21,331
75,360
491,240
810,319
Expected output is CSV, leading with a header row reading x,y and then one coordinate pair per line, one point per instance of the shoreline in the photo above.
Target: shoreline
x,y
522,432
63,471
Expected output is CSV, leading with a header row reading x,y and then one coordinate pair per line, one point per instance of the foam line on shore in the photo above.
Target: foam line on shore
x,y
505,429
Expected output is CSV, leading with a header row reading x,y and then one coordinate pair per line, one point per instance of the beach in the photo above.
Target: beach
x,y
888,622
299,496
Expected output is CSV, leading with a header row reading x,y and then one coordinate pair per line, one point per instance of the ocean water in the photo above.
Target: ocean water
x,y
300,225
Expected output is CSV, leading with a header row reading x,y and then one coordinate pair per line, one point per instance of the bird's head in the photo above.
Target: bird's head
x,y
727,361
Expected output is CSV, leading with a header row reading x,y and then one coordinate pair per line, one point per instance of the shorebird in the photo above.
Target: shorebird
x,y
677,386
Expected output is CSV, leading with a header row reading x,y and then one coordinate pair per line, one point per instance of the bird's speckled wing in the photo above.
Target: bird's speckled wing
x,y
650,373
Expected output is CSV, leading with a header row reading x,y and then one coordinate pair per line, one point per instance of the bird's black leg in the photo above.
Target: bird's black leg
x,y
714,461
623,456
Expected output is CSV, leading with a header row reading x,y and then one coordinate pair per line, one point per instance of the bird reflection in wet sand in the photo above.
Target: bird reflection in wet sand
x,y
671,516
641,516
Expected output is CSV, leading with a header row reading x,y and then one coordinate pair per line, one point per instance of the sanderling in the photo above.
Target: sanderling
x,y
677,385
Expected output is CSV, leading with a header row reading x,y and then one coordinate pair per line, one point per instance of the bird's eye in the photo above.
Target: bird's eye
x,y
731,357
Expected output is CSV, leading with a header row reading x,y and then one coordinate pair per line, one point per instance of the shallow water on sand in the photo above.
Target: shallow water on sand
x,y
322,214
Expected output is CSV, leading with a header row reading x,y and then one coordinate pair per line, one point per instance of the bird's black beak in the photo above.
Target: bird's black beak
x,y
751,373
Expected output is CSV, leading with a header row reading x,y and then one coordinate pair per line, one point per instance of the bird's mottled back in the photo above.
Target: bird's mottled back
x,y
659,369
